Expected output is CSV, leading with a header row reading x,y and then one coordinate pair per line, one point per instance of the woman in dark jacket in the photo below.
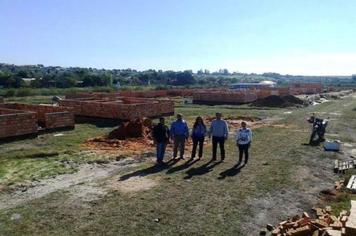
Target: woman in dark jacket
x,y
198,136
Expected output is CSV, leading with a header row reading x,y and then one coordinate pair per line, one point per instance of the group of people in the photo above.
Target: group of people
x,y
218,132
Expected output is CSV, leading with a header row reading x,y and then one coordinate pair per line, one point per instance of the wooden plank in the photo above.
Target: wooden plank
x,y
352,183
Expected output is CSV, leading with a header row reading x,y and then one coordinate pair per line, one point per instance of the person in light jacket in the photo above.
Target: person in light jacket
x,y
219,130
198,136
179,134
243,141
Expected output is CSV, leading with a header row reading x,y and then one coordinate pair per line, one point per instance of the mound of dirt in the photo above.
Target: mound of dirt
x,y
134,136
293,99
139,128
278,101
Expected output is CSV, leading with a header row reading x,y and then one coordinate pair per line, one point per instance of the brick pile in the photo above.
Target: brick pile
x,y
17,123
121,108
48,117
325,224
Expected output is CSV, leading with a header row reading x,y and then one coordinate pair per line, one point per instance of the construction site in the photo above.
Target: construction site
x,y
84,164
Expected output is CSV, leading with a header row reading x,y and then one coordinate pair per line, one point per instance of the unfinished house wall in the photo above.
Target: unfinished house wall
x,y
306,88
125,108
215,98
17,123
48,117
250,95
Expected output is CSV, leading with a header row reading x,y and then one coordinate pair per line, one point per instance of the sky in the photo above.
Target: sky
x,y
299,37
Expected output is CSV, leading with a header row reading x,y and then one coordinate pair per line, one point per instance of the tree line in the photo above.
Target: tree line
x,y
39,76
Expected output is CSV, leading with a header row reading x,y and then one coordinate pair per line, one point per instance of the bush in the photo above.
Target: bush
x,y
10,93
23,92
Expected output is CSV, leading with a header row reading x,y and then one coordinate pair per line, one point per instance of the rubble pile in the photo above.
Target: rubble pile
x,y
325,224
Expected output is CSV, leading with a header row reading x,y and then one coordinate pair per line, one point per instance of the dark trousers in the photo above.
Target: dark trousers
x,y
243,149
197,141
221,142
179,143
161,149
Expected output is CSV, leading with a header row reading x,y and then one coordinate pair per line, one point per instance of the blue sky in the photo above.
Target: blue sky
x,y
308,37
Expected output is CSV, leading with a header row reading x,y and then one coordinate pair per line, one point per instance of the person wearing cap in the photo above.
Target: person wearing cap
x,y
179,134
161,136
243,141
219,131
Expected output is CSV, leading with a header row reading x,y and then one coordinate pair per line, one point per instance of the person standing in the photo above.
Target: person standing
x,y
219,130
198,136
161,136
243,141
179,134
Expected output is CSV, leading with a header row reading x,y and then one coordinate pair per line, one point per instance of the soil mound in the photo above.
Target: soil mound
x,y
139,128
293,99
278,101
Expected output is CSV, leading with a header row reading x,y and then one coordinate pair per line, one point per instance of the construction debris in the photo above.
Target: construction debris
x,y
352,184
342,166
325,224
339,184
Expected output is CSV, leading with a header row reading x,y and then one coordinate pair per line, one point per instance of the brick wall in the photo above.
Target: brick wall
x,y
59,120
17,123
123,109
48,116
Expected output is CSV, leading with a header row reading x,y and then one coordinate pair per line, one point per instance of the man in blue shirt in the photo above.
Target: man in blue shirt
x,y
179,134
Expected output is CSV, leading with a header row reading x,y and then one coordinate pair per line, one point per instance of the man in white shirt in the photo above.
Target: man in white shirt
x,y
243,141
219,130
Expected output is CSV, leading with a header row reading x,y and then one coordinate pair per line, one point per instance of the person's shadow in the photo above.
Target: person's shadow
x,y
201,170
150,170
232,171
184,166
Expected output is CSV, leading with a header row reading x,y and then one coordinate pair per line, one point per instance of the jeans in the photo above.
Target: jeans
x,y
221,142
197,141
243,149
161,149
179,142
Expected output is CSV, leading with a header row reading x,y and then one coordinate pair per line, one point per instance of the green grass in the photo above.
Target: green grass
x,y
189,200
34,159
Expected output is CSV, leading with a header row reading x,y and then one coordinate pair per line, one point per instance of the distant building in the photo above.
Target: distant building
x,y
245,86
28,80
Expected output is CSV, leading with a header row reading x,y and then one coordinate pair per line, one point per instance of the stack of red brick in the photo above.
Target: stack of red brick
x,y
49,117
326,224
121,108
17,123
18,119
